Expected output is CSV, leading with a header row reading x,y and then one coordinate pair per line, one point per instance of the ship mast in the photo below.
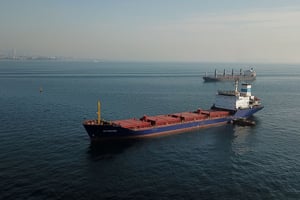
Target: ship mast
x,y
236,85
99,112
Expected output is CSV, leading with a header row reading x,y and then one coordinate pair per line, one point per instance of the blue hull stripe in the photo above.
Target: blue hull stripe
x,y
245,113
110,132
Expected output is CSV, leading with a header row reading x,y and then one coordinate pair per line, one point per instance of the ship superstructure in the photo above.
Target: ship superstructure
x,y
235,100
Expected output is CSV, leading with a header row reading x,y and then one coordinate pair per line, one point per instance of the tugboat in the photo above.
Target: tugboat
x,y
229,106
243,122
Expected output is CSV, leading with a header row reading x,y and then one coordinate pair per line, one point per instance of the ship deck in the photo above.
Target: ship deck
x,y
147,122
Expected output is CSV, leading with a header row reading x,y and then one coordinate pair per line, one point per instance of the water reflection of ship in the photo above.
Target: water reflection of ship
x,y
244,137
246,75
106,150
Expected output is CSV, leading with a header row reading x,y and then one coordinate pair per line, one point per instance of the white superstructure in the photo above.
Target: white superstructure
x,y
250,72
234,100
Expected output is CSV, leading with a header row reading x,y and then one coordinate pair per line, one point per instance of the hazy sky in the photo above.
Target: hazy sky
x,y
154,30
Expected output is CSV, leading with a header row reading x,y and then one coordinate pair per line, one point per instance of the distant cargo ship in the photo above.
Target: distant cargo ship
x,y
228,106
246,75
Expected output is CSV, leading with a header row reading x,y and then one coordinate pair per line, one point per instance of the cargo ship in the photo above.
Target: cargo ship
x,y
229,106
246,75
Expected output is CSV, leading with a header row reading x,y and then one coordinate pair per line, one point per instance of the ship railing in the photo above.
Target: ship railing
x,y
95,122
227,92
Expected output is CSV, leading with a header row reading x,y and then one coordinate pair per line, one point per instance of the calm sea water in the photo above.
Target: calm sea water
x,y
45,152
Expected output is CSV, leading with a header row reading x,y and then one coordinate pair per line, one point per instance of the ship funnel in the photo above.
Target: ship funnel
x,y
246,89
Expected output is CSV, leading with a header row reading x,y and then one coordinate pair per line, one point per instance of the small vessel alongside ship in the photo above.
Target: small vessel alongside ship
x,y
229,106
246,75
243,122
